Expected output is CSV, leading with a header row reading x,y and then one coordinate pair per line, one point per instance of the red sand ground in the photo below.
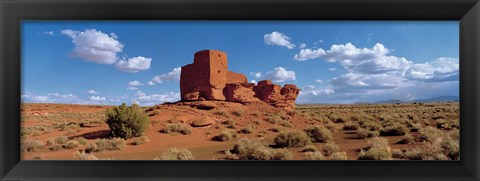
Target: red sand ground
x,y
199,142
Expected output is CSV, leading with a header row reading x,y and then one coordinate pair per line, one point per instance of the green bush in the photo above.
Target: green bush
x,y
319,134
292,139
127,122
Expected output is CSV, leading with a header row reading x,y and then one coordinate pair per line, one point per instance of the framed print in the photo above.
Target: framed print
x,y
289,90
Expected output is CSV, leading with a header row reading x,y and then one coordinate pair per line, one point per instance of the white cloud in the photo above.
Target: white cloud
x,y
97,98
132,88
280,74
309,87
279,39
332,69
92,92
438,70
134,65
135,83
151,83
302,45
307,54
319,81
94,46
365,60
48,33
148,100
173,75
253,81
256,74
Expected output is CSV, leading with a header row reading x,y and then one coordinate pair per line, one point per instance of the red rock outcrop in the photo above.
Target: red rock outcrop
x,y
208,78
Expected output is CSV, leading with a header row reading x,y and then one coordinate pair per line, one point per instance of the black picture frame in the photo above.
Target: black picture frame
x,y
467,12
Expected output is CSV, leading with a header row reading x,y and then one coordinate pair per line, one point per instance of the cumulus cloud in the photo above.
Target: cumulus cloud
x,y
280,74
438,70
132,88
173,75
319,81
151,83
307,54
92,92
94,46
147,100
135,83
365,60
302,45
134,65
97,98
279,39
256,74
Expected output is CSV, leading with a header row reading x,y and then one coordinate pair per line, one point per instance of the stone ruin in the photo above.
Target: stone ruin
x,y
208,78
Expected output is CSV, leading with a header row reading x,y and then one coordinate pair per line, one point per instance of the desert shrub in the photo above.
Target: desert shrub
x,y
247,130
415,127
106,144
407,139
230,123
337,118
153,113
362,133
238,112
330,148
32,145
246,149
339,156
277,129
81,140
314,156
71,144
84,156
350,126
226,135
447,124
176,128
221,113
395,129
374,154
429,134
274,119
281,154
370,125
450,147
140,140
56,147
378,149
176,154
319,134
292,139
455,134
310,148
256,114
127,122
61,140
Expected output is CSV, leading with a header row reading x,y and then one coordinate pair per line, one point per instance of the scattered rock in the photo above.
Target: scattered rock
x,y
201,122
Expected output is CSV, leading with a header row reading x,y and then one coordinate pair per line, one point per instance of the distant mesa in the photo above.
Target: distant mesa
x,y
208,78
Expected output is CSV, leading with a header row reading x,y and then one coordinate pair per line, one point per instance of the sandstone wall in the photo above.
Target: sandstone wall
x,y
208,78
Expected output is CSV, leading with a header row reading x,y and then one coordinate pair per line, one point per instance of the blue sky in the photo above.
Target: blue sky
x,y
109,62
